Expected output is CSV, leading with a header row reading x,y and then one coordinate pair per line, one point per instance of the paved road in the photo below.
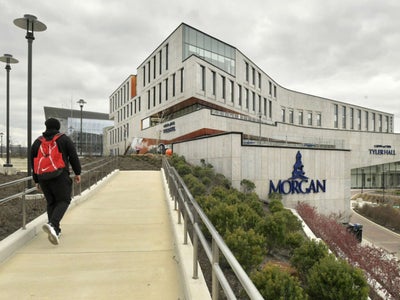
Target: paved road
x,y
378,235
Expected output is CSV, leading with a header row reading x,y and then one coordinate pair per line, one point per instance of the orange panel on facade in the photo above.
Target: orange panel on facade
x,y
133,86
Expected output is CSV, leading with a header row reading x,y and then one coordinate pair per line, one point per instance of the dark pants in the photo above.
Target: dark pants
x,y
58,196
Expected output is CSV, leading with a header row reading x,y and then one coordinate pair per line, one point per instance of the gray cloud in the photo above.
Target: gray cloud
x,y
342,50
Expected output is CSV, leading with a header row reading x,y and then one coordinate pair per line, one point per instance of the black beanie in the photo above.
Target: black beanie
x,y
52,123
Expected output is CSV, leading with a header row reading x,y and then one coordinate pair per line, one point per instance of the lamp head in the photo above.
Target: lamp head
x,y
8,59
30,23
81,102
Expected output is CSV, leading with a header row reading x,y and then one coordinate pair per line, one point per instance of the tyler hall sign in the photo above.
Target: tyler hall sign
x,y
298,183
382,150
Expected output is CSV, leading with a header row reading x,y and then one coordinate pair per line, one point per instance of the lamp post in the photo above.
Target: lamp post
x,y
8,59
81,102
1,144
31,24
362,180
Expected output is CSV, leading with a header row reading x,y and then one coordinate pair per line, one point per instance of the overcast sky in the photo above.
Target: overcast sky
x,y
342,50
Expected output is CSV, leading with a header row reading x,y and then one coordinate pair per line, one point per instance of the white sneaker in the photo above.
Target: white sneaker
x,y
52,235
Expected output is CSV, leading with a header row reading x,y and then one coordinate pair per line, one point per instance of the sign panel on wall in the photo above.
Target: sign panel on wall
x,y
298,183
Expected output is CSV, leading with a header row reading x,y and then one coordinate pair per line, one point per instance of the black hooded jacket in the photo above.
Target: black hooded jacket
x,y
65,146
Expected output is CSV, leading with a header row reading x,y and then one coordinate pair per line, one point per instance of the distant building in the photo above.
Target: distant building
x,y
93,124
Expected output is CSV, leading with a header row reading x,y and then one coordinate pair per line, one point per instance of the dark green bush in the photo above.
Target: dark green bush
x,y
275,283
247,246
307,255
335,279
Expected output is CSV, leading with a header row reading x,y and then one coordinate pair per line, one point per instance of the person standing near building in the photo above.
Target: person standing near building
x,y
57,190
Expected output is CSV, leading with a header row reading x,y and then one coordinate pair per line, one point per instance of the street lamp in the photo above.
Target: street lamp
x,y
31,24
81,102
8,59
362,180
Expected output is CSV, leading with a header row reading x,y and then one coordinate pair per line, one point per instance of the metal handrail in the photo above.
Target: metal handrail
x,y
106,167
187,206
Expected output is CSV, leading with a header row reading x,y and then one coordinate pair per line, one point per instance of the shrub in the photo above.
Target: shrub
x,y
275,206
376,263
183,169
247,246
274,283
337,280
274,196
307,255
195,186
247,186
384,215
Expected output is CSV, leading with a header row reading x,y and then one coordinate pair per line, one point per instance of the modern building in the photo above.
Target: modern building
x,y
93,124
207,100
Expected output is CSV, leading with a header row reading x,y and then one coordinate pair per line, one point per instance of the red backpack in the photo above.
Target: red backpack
x,y
49,162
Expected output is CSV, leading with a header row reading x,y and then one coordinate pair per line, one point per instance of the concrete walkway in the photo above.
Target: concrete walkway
x,y
117,244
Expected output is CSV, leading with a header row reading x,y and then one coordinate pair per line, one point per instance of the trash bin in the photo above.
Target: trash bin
x,y
356,229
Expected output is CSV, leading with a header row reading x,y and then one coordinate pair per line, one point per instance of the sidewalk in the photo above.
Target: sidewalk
x,y
117,244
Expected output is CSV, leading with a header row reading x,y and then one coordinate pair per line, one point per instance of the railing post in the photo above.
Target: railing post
x,y
179,210
214,280
24,207
195,247
89,180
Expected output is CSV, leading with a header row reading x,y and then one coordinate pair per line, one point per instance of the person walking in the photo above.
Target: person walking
x,y
58,188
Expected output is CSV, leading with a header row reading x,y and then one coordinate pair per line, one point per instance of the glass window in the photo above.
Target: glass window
x,y
203,78
223,87
270,109
173,84
159,93
240,95
160,62
254,101
319,119
300,118
232,91
247,98
166,89
182,80
214,78
154,67
351,118
283,113
291,116
373,122
148,71
344,117
215,52
335,116
309,118
265,106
